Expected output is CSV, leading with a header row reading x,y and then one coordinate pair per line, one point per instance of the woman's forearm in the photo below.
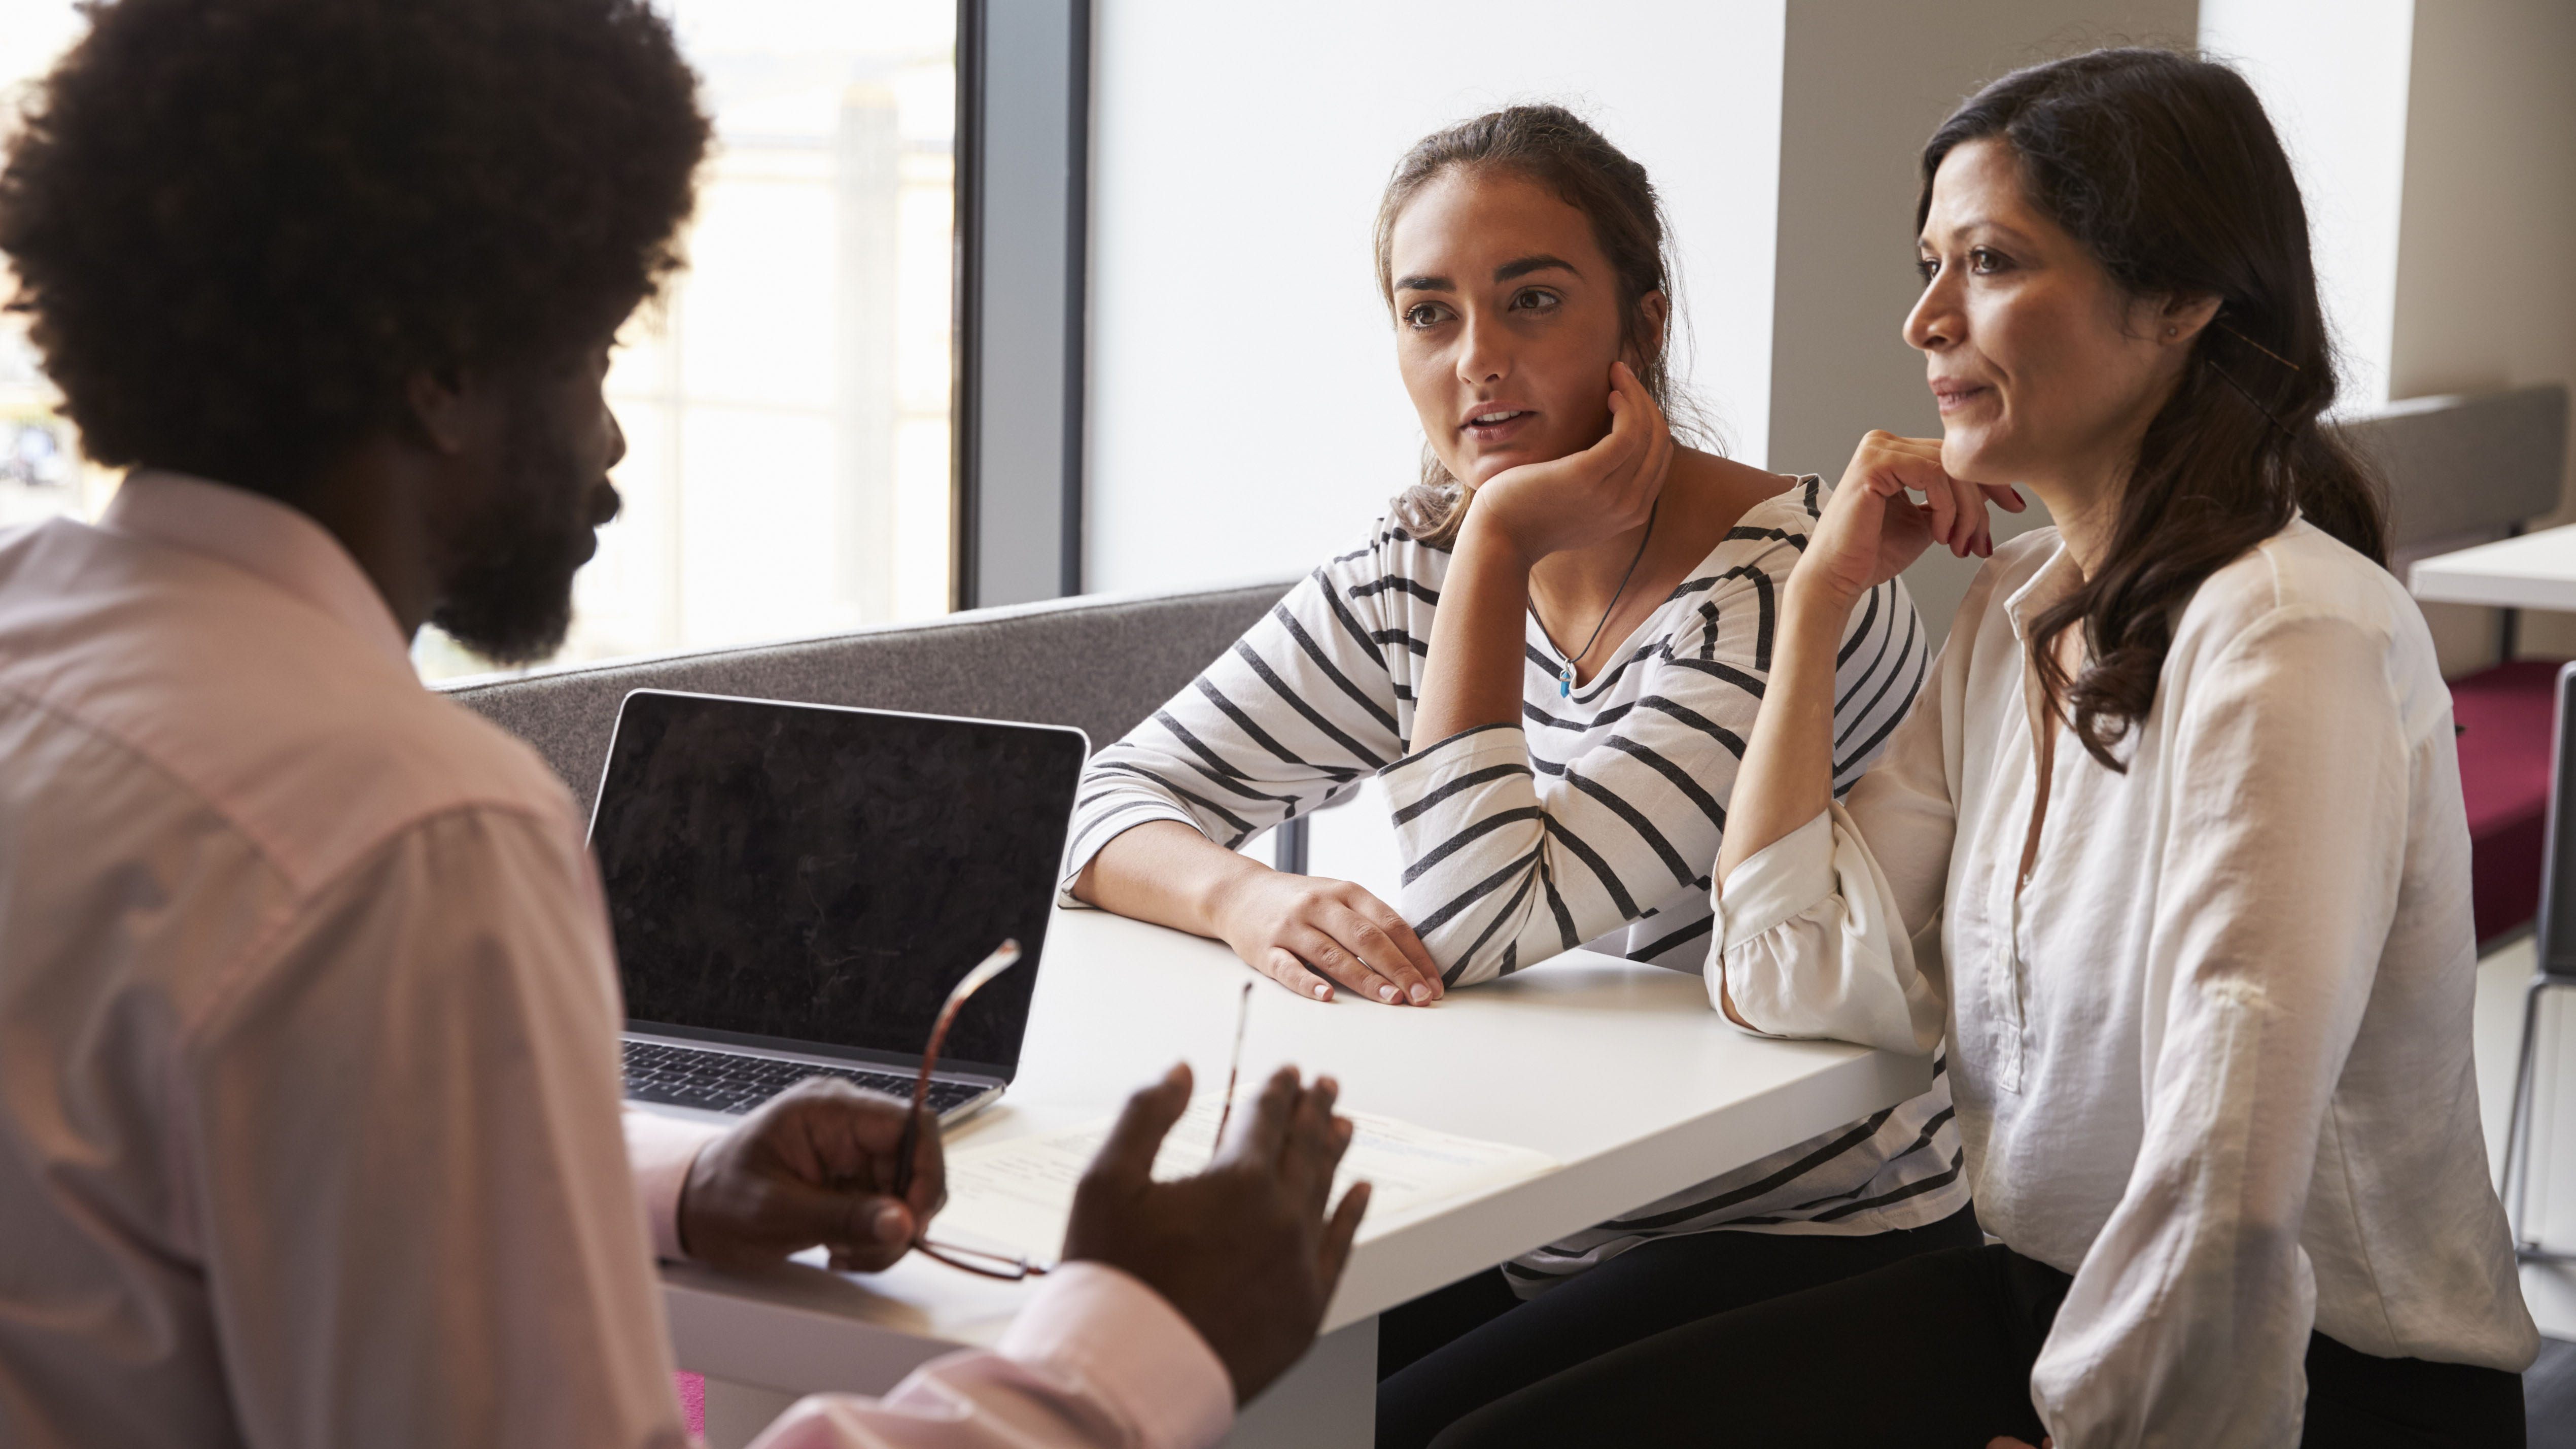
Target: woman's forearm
x,y
1165,872
1472,676
1787,777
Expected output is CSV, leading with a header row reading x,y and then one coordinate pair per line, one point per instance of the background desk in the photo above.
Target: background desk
x,y
1620,1072
2534,571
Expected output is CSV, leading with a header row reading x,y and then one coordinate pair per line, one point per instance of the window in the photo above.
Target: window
x,y
786,405
41,471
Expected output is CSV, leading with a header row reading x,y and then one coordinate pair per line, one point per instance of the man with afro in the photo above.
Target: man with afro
x,y
310,1130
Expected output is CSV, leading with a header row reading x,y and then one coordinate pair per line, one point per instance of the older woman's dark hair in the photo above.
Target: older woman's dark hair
x,y
2168,172
240,225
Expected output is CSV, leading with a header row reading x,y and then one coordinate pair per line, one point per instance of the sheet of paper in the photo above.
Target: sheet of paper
x,y
1015,1196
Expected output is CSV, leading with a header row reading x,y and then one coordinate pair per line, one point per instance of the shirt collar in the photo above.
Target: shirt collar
x,y
2055,579
259,536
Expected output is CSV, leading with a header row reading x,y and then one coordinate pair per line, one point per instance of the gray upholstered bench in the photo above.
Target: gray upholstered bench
x,y
1100,662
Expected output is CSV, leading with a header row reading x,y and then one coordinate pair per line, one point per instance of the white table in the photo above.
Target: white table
x,y
2534,571
1619,1071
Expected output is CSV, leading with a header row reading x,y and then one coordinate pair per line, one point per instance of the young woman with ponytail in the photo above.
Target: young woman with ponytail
x,y
1550,654
2183,798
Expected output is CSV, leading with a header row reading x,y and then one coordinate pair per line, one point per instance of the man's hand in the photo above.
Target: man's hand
x,y
1243,1250
815,1164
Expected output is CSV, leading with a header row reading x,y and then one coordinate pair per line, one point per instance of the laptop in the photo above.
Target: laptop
x,y
794,888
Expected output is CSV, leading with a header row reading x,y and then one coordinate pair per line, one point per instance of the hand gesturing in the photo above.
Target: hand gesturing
x,y
1244,1249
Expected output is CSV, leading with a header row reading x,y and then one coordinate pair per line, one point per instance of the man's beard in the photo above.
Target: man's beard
x,y
510,597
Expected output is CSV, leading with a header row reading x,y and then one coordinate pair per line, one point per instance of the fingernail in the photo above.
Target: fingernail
x,y
1386,993
1421,993
1323,992
889,1224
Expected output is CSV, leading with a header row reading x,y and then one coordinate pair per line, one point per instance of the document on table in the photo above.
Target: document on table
x,y
1015,1196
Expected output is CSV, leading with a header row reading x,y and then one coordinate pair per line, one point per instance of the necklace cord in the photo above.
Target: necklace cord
x,y
1624,579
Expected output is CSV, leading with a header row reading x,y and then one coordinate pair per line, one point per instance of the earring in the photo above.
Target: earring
x,y
2173,332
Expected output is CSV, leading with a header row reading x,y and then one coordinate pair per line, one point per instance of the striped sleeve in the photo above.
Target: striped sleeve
x,y
1512,857
1293,717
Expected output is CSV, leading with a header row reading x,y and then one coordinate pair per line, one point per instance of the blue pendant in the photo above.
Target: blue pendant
x,y
1565,681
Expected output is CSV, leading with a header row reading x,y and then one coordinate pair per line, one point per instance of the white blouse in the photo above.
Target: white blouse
x,y
2213,1058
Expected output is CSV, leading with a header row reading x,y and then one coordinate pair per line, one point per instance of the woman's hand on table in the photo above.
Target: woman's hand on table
x,y
1872,527
1244,1250
1310,933
1583,498
815,1165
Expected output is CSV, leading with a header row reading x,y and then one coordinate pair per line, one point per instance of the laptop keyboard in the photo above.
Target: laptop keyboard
x,y
720,1081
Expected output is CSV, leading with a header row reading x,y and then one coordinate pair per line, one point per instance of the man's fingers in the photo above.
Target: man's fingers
x,y
828,1130
1314,1145
1334,1253
1128,1155
929,1191
1259,1138
868,1230
875,1231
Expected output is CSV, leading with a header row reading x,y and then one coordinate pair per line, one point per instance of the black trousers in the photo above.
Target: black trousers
x,y
1449,1353
1933,1351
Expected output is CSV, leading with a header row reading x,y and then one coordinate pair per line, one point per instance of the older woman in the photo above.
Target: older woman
x,y
2184,800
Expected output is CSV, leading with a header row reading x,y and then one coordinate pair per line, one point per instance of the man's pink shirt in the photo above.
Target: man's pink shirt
x,y
311,1131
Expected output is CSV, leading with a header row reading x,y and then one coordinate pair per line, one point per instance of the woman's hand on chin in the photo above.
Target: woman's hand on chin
x,y
1309,934
1872,528
1583,498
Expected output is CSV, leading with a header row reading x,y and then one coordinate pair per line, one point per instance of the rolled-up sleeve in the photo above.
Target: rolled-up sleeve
x,y
1815,931
1814,945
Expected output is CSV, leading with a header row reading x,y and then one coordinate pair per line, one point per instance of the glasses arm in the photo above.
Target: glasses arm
x,y
1004,957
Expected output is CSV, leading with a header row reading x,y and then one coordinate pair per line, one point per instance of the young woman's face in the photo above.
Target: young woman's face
x,y
1506,322
2043,368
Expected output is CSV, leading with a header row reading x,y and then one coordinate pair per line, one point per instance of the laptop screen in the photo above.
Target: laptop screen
x,y
804,875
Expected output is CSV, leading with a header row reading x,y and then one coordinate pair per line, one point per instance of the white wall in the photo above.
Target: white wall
x,y
2482,294
2334,76
1246,418
2483,298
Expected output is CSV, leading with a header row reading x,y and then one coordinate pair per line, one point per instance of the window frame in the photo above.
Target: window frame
x,y
1022,237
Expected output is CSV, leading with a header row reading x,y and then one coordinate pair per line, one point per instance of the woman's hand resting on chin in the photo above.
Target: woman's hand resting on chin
x,y
1872,527
1583,498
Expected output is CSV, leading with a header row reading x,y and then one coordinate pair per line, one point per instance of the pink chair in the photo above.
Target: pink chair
x,y
2504,716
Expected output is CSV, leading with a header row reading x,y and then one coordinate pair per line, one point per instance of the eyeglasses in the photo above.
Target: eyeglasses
x,y
975,1260
990,1265
1234,1067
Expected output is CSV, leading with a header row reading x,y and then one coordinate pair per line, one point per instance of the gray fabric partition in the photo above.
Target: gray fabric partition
x,y
1097,662
2461,465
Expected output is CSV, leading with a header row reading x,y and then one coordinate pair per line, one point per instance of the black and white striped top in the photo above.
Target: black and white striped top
x,y
1596,821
